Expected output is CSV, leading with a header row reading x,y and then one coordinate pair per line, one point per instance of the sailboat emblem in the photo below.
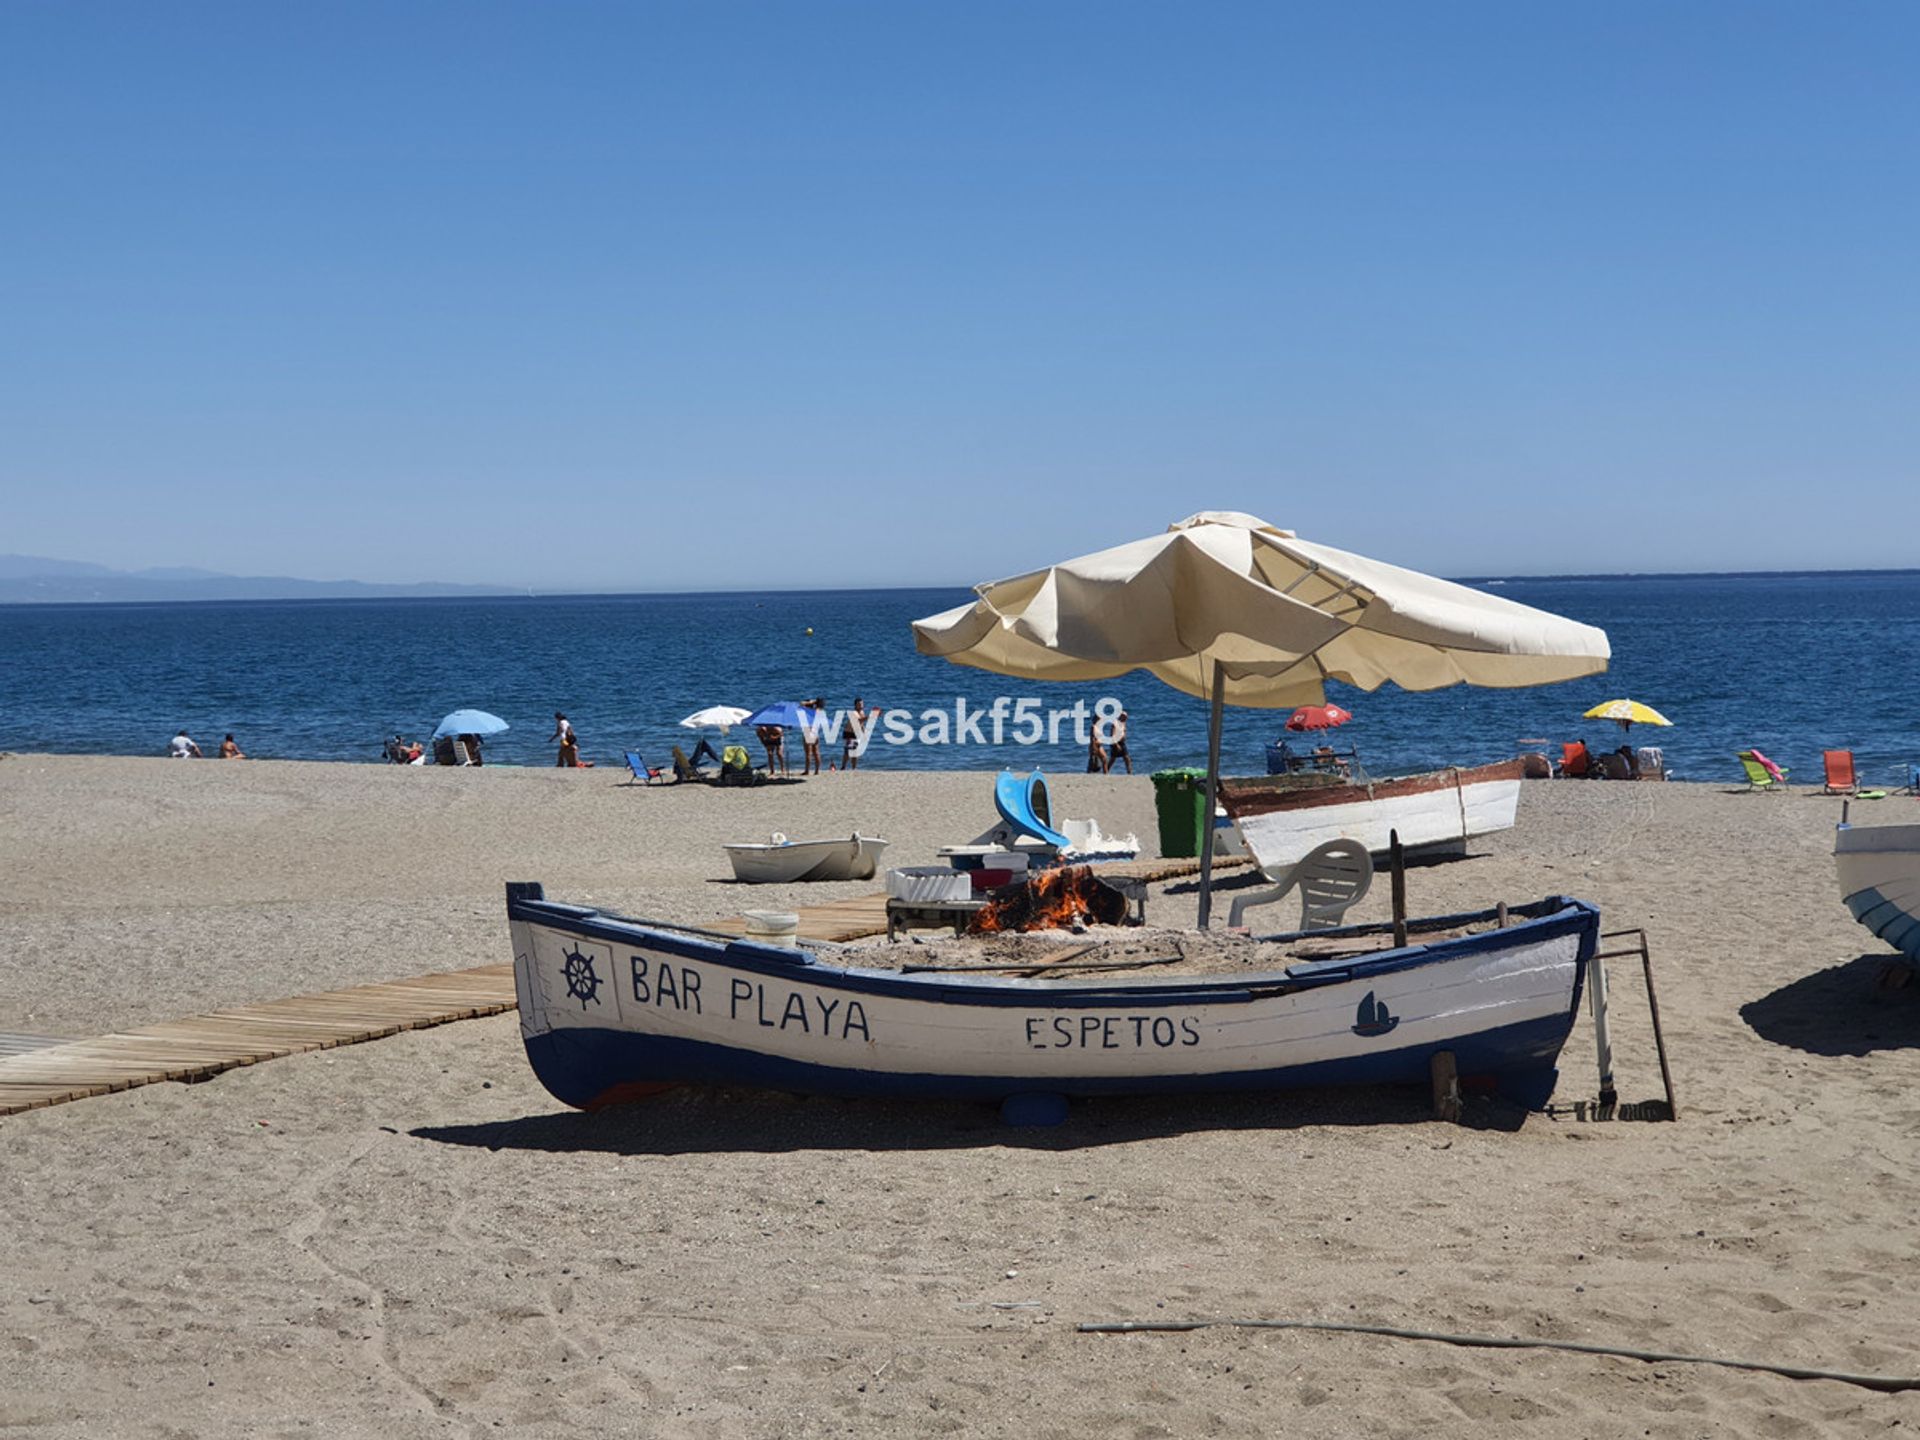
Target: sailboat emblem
x,y
1374,1018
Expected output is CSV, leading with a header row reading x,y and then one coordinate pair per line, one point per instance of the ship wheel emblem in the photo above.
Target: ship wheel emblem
x,y
582,984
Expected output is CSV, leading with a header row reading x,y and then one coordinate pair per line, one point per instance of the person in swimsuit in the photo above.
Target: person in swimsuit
x,y
1117,743
810,737
1096,752
851,728
230,750
774,737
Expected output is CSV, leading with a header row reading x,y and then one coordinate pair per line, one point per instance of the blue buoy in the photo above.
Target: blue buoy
x,y
1034,1108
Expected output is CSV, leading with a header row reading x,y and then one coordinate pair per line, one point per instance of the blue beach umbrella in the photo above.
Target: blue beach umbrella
x,y
471,722
790,713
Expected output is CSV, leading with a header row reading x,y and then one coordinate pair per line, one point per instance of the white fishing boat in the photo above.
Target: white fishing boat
x,y
1282,817
780,861
612,1008
1879,868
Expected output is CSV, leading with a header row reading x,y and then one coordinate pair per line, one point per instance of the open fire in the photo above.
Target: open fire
x,y
1058,899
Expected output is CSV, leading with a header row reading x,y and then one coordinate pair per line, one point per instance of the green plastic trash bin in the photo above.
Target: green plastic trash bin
x,y
1180,800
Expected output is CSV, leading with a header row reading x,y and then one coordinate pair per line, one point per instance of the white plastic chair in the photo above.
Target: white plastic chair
x,y
1331,879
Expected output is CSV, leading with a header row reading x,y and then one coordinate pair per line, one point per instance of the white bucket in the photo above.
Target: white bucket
x,y
773,927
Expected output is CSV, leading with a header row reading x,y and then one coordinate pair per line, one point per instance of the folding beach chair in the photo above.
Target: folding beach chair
x,y
1762,773
1840,777
1331,879
643,773
1574,759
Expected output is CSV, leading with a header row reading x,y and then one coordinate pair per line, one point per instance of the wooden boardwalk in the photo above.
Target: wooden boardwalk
x,y
39,1070
202,1046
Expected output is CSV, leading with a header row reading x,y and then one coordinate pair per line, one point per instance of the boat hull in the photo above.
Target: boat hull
x,y
610,1007
856,858
1434,812
1879,870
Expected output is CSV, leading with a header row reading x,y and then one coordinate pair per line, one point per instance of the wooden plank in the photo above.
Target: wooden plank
x,y
197,1047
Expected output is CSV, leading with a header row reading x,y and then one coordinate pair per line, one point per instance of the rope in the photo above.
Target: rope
x,y
1889,1384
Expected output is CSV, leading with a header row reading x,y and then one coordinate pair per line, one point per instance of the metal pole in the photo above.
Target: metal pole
x,y
1213,790
1602,1033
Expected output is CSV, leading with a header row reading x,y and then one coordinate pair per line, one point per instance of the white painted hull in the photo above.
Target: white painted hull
x,y
608,1005
1428,812
1879,870
855,858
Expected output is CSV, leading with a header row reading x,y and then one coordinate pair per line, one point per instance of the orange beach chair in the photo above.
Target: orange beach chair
x,y
1840,777
1574,759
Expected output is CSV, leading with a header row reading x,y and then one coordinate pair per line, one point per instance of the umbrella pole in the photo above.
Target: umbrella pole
x,y
1213,789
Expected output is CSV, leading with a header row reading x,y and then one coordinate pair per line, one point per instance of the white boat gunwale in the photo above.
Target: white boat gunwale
x,y
1541,919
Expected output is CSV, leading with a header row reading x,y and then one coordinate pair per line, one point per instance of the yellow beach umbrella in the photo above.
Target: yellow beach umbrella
x,y
1628,713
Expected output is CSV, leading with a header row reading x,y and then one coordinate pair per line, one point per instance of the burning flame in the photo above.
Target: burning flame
x,y
1058,899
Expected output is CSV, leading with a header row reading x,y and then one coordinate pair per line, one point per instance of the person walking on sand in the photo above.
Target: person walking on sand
x,y
1096,752
563,732
230,749
183,748
1117,743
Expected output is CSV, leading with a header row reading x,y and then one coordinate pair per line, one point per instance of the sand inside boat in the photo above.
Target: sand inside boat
x,y
1119,949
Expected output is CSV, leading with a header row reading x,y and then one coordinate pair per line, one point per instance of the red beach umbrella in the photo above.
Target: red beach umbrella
x,y
1318,717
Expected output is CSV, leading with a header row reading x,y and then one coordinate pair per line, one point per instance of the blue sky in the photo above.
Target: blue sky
x,y
637,296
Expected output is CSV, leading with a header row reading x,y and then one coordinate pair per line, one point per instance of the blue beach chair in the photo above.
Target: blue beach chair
x,y
643,773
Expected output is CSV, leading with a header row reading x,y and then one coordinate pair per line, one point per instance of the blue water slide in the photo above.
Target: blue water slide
x,y
1023,804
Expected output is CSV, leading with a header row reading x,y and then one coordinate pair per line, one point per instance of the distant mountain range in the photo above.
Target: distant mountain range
x,y
35,579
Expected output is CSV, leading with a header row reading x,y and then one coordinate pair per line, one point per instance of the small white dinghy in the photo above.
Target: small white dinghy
x,y
780,861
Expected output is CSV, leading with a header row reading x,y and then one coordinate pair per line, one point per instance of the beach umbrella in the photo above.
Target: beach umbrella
x,y
1318,717
1227,607
715,717
790,713
1628,713
471,722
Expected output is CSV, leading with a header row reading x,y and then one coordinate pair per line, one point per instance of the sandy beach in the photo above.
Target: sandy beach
x,y
411,1238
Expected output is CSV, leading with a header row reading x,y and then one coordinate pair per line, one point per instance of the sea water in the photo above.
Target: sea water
x,y
1792,664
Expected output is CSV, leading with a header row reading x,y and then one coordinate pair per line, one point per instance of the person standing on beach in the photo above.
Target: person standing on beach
x,y
774,737
183,748
810,737
1117,743
230,749
563,732
851,728
1096,752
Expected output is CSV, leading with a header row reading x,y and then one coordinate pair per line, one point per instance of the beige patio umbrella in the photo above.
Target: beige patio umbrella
x,y
1231,609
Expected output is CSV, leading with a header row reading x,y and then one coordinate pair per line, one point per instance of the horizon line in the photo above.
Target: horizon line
x,y
533,592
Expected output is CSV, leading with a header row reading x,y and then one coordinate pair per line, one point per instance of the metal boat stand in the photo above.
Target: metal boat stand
x,y
1609,1105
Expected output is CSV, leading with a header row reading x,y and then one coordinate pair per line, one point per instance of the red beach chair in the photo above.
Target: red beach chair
x,y
1574,759
1840,777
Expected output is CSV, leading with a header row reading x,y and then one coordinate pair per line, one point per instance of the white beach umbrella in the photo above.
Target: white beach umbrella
x,y
1229,608
715,717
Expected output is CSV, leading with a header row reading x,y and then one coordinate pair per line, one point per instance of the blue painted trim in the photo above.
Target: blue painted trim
x,y
580,1065
1889,921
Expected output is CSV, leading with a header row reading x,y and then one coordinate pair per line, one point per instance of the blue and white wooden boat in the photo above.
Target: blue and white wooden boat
x,y
612,1008
1879,867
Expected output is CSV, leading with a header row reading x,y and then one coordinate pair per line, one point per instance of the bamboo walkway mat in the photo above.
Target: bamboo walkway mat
x,y
202,1046
38,1070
